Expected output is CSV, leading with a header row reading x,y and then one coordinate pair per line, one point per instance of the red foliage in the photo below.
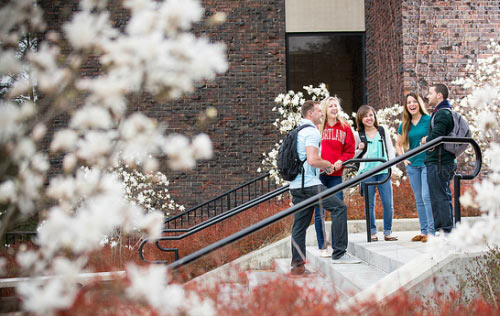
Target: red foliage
x,y
221,230
404,202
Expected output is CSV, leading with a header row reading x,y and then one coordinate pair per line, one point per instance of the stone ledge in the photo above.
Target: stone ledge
x,y
83,278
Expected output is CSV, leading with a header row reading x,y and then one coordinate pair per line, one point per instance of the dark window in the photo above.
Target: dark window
x,y
336,59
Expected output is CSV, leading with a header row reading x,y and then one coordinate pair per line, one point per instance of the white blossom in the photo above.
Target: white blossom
x,y
48,75
8,191
24,149
69,163
44,297
9,63
202,147
95,146
8,121
86,29
151,284
91,117
179,153
64,140
27,259
62,188
179,14
38,132
3,266
40,162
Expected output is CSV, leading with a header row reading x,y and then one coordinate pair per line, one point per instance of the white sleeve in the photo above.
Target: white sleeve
x,y
357,142
390,147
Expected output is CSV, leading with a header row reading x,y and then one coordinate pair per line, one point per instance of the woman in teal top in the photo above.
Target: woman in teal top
x,y
415,125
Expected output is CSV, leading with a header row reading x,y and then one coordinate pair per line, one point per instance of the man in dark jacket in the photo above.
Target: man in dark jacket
x,y
441,164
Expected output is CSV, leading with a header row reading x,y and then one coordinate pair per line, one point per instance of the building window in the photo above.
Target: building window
x,y
336,59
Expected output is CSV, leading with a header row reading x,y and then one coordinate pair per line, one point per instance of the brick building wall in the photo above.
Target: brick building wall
x,y
254,33
384,52
441,37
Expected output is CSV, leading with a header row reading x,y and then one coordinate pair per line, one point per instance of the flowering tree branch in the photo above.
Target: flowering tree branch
x,y
289,106
154,53
481,108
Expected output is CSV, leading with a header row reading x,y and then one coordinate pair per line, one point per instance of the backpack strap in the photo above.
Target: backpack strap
x,y
362,137
381,131
303,171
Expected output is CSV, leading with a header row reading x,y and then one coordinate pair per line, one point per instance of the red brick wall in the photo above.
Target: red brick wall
x,y
244,96
384,55
441,37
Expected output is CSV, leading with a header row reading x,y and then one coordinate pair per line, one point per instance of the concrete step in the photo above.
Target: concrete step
x,y
316,280
258,278
378,260
386,256
347,278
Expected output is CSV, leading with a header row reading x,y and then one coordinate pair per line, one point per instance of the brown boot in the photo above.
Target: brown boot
x,y
418,238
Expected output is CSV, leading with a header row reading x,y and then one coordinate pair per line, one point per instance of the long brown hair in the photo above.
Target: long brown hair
x,y
324,107
407,117
362,112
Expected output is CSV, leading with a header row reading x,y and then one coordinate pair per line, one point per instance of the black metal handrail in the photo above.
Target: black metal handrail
x,y
15,236
245,206
214,220
314,200
201,226
221,203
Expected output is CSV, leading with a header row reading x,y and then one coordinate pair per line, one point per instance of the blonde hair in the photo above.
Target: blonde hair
x,y
407,117
324,106
362,112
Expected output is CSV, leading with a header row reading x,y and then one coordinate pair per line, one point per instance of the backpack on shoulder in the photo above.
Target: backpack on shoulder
x,y
362,137
289,164
460,129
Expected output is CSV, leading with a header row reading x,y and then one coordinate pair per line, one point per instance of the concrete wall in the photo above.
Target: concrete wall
x,y
325,16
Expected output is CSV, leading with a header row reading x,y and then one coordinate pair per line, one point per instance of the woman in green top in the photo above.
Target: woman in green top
x,y
415,125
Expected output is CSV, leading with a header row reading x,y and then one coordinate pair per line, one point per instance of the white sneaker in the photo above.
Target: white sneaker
x,y
324,253
347,258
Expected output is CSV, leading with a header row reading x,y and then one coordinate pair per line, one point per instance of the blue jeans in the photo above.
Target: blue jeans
x,y
418,181
385,192
302,219
319,213
438,179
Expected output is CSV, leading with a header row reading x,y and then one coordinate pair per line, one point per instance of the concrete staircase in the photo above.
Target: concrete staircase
x,y
387,266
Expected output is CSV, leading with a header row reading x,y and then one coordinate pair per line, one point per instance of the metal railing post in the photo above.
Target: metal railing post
x,y
456,193
367,211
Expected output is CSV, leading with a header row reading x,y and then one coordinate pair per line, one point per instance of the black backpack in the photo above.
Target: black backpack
x,y
460,129
289,164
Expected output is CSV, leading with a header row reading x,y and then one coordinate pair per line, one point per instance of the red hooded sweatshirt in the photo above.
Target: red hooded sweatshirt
x,y
337,142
